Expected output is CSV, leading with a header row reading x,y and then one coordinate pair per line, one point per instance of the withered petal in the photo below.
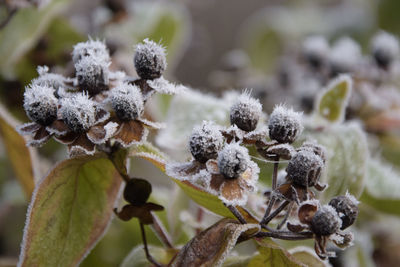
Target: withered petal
x,y
58,128
28,128
66,139
231,193
101,115
216,181
81,146
212,166
306,212
131,133
41,136
97,134
152,124
183,171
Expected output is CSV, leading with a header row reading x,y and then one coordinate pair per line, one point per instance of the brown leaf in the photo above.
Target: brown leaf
x,y
130,133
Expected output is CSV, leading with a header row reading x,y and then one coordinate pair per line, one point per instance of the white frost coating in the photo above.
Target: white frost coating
x,y
312,202
92,70
153,124
332,212
205,141
79,150
385,43
40,103
246,112
150,56
345,54
286,118
178,170
127,101
257,134
53,80
110,129
316,47
164,86
352,198
280,149
78,112
233,160
235,131
91,48
32,126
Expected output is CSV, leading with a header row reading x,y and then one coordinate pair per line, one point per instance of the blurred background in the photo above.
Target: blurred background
x,y
213,46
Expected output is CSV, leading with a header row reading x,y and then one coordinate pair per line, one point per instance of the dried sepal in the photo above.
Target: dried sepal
x,y
131,133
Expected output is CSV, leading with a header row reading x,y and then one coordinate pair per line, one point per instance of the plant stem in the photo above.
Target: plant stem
x,y
289,210
146,249
160,231
267,219
268,210
237,214
275,173
285,235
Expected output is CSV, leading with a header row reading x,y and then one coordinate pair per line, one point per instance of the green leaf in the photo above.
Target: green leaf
x,y
382,188
70,210
347,158
270,254
211,246
307,256
331,103
137,257
22,32
18,153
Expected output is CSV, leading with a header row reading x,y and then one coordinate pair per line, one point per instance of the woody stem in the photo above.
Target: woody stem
x,y
146,249
237,214
267,219
159,230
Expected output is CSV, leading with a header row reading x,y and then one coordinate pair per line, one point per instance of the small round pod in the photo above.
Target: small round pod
x,y
325,221
137,191
345,56
233,160
127,101
315,51
246,112
149,60
314,147
91,48
53,80
347,209
304,168
40,104
78,112
92,75
384,48
284,124
205,141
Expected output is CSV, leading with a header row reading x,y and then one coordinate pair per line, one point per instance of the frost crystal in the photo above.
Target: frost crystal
x,y
315,50
53,80
346,207
304,168
385,48
163,86
316,148
246,112
150,61
233,160
40,104
78,112
205,142
325,221
92,48
127,101
345,55
92,74
284,124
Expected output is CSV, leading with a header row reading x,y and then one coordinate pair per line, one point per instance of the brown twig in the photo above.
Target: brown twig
x,y
146,249
237,214
159,230
267,219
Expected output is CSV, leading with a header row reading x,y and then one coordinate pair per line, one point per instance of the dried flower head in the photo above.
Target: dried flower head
x,y
205,141
246,112
92,75
385,48
314,147
304,168
346,207
284,124
150,61
233,160
40,104
325,221
53,80
91,48
345,55
78,112
315,50
127,101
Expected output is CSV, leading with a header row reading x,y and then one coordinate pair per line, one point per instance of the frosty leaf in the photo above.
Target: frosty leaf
x,y
331,103
70,210
20,156
270,254
163,86
137,257
382,188
212,246
307,256
347,154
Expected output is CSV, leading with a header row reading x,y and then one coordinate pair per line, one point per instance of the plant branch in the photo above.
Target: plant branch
x,y
146,249
275,173
237,214
289,210
267,219
160,231
285,235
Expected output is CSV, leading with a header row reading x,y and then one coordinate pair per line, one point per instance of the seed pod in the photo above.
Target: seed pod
x,y
92,75
78,112
40,104
325,221
92,48
315,50
150,61
346,207
284,124
246,112
127,101
233,160
385,48
137,191
205,142
304,168
345,55
314,147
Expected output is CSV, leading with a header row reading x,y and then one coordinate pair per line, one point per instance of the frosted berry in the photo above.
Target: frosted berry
x,y
137,191
127,101
78,112
53,80
92,48
40,104
345,55
92,75
316,148
304,168
150,61
284,124
325,221
315,50
346,207
385,48
246,112
233,160
205,142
